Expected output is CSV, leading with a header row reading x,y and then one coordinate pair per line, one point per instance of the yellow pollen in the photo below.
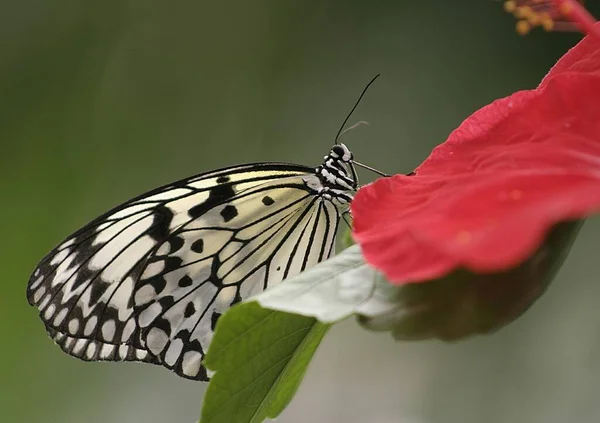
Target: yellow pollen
x,y
546,21
523,12
534,19
510,6
523,27
547,24
463,237
515,194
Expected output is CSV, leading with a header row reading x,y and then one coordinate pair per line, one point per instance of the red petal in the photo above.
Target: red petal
x,y
583,58
492,225
486,198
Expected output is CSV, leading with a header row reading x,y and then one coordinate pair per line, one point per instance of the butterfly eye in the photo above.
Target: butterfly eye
x,y
338,150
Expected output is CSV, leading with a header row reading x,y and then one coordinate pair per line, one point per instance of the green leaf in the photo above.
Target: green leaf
x,y
260,357
332,290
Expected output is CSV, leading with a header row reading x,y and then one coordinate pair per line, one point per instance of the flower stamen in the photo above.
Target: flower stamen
x,y
551,15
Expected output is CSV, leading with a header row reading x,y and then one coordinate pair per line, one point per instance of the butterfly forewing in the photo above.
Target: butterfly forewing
x,y
84,287
148,280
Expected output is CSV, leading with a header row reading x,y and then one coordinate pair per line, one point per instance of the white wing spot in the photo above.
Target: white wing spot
x,y
191,363
38,294
164,249
226,296
66,244
60,256
148,315
141,354
156,340
131,210
58,319
128,329
73,326
79,345
63,272
123,350
49,311
38,281
69,341
45,301
90,325
169,194
145,294
153,269
108,330
173,352
107,350
91,350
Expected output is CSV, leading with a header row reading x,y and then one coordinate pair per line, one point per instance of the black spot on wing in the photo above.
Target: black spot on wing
x,y
162,217
158,283
267,201
184,335
229,212
213,320
217,195
175,243
185,281
189,311
222,179
198,246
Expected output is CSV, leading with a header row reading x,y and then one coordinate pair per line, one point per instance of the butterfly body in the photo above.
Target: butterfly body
x,y
148,280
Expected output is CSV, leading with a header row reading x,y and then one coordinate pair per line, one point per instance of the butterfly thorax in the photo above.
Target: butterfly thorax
x,y
337,176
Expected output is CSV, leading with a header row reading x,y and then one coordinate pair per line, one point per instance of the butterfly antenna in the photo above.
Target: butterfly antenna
x,y
372,169
337,137
356,125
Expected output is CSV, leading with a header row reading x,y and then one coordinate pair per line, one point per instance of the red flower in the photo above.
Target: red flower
x,y
486,198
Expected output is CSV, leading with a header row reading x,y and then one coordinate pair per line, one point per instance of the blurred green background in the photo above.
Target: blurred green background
x,y
102,100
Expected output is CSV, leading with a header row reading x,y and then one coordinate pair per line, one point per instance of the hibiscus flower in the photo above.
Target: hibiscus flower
x,y
487,199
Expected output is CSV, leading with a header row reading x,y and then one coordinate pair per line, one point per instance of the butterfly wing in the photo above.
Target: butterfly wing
x,y
93,350
225,255
84,289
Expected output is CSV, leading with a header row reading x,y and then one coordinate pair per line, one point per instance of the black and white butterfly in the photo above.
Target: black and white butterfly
x,y
148,280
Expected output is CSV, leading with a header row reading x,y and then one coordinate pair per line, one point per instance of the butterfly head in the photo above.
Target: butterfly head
x,y
337,175
341,152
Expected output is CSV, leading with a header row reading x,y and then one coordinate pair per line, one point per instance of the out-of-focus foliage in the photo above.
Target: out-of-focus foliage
x,y
101,100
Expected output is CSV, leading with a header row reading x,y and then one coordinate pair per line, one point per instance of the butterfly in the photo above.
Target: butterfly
x,y
148,280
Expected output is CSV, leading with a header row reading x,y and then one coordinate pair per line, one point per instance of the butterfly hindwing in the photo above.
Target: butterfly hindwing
x,y
93,350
